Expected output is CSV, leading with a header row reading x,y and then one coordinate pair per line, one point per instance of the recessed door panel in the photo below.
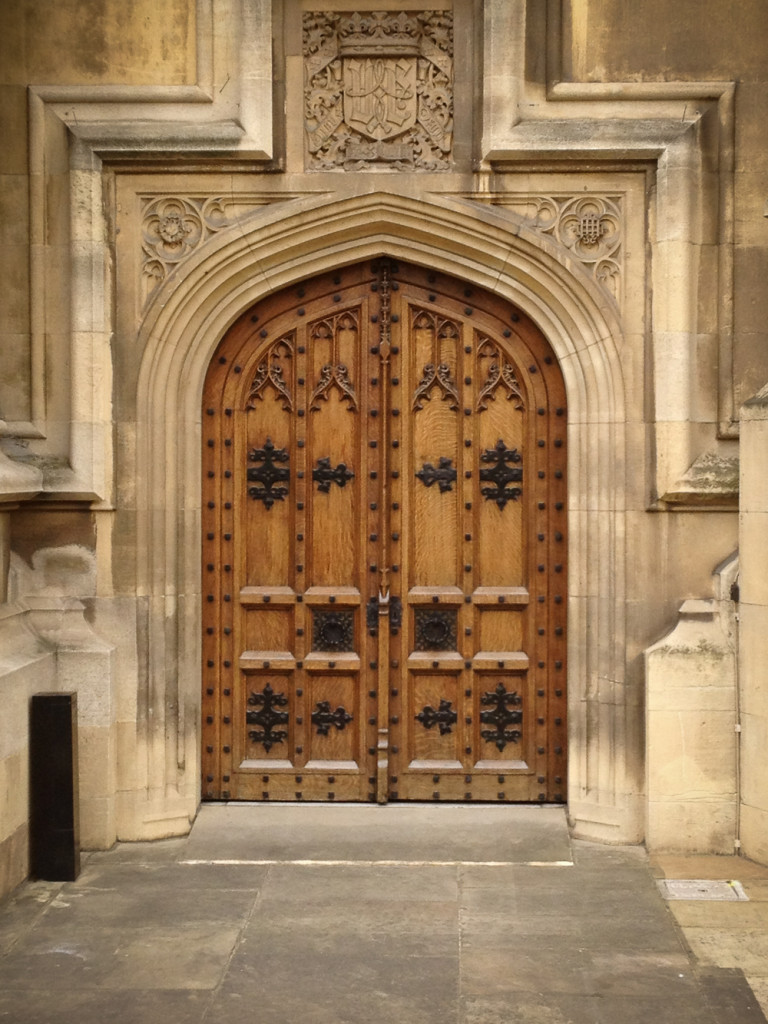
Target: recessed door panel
x,y
384,546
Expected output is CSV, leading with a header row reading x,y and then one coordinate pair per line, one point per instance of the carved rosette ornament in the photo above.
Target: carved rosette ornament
x,y
378,90
589,226
172,228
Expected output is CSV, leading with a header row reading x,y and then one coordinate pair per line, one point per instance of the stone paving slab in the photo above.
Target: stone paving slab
x,y
396,832
176,933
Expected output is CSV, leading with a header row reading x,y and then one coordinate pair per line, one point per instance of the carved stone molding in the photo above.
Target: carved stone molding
x,y
378,90
589,226
173,227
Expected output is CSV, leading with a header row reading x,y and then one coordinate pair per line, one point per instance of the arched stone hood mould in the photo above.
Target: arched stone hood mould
x,y
284,242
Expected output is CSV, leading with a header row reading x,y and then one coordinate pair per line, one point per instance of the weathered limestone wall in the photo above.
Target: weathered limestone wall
x,y
614,41
691,718
657,112
753,545
26,667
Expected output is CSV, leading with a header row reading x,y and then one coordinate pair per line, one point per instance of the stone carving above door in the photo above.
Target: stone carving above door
x,y
174,226
378,90
590,226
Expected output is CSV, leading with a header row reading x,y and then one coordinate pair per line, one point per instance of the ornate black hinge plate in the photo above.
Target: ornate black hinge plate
x,y
504,712
324,718
324,475
444,475
268,475
267,717
444,717
501,474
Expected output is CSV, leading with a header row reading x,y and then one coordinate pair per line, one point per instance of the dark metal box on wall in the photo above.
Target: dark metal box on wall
x,y
54,837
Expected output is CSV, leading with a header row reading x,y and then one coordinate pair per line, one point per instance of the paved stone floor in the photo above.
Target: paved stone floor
x,y
365,915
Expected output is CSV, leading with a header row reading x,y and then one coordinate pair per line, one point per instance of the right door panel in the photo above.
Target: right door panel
x,y
477,520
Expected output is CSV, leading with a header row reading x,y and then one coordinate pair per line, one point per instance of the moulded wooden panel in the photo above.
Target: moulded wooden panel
x,y
333,721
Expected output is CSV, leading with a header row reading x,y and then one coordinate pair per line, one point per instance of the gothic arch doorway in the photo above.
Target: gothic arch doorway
x,y
384,546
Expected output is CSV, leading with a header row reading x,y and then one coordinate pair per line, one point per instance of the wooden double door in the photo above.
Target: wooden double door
x,y
384,546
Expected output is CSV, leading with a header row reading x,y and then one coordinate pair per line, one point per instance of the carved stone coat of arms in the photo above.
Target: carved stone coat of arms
x,y
378,90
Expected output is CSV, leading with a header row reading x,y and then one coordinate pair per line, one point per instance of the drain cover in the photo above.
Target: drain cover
x,y
700,889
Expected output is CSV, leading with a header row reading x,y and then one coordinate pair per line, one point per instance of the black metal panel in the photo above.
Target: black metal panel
x,y
54,835
333,630
435,629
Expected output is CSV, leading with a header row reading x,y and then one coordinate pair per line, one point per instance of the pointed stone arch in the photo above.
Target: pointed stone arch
x,y
489,248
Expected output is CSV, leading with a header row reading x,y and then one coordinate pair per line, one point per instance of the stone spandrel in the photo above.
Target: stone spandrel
x,y
378,90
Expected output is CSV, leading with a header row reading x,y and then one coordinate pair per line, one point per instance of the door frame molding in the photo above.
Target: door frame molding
x,y
284,243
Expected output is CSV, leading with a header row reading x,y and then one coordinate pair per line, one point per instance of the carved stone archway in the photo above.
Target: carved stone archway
x,y
491,249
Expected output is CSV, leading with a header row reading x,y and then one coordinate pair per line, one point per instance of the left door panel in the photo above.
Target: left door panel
x,y
290,469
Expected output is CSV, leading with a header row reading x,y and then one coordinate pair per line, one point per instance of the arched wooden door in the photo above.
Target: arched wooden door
x,y
384,550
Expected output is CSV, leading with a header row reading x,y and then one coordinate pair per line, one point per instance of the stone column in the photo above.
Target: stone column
x,y
753,639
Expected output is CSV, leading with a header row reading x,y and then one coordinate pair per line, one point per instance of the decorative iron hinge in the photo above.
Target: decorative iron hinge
x,y
502,474
268,475
267,717
505,711
324,718
324,474
444,475
444,717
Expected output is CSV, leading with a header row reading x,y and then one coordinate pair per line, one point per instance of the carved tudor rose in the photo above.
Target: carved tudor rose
x,y
379,90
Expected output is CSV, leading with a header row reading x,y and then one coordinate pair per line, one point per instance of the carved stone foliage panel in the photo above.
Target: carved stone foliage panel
x,y
378,90
175,226
590,226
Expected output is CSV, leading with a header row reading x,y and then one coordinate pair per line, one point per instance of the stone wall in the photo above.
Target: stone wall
x,y
120,122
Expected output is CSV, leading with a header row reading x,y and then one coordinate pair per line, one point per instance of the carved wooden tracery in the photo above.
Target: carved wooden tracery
x,y
500,373
334,373
269,374
437,373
